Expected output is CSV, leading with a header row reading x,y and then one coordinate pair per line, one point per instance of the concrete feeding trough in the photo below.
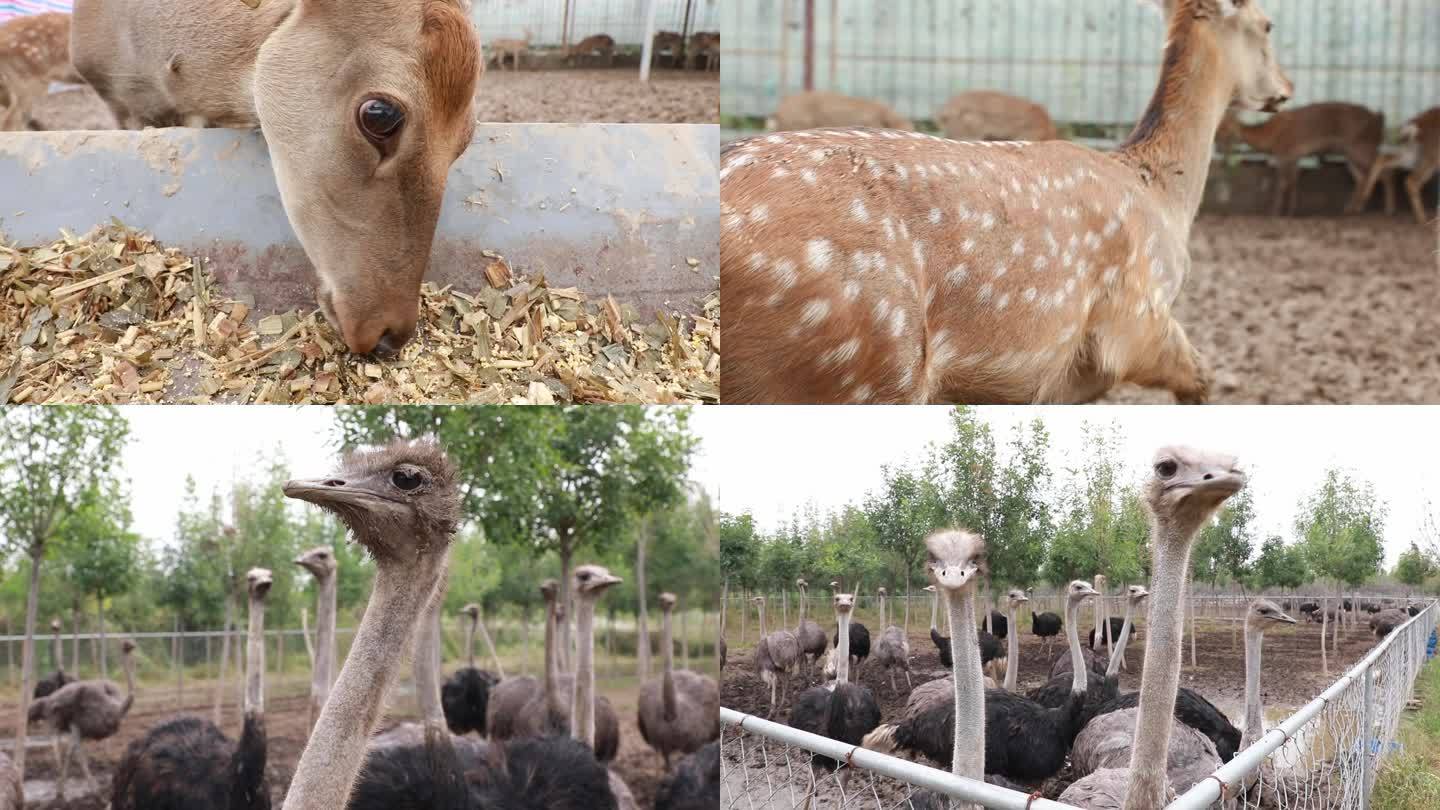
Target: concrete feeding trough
x,y
629,210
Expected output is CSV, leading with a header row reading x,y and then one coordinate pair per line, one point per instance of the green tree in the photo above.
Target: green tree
x,y
97,551
1339,524
1024,526
1226,544
1413,567
739,550
1281,566
1103,528
49,457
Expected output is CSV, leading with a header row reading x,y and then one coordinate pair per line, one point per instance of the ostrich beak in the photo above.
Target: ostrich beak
x,y
1286,618
328,492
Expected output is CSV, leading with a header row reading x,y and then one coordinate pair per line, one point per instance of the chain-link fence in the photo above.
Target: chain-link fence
x,y
1325,755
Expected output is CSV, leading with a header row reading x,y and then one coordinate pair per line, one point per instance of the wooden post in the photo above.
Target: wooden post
x,y
175,664
809,44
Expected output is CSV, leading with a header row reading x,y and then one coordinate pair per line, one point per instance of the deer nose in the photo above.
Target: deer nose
x,y
390,343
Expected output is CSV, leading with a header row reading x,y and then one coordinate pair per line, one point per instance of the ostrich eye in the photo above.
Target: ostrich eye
x,y
406,480
1166,468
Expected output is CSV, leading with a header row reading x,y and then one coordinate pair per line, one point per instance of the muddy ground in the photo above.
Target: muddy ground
x,y
285,720
1312,310
1292,677
609,95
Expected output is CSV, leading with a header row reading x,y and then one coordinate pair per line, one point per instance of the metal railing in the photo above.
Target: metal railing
x,y
1325,755
624,20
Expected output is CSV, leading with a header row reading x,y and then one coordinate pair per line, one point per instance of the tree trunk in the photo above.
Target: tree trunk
x,y
75,637
177,648
9,656
27,662
104,653
684,641
224,658
1324,620
907,606
744,614
642,640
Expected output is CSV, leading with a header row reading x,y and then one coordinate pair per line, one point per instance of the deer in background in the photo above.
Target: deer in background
x,y
514,48
706,44
1316,129
667,42
598,45
363,112
817,108
885,266
34,51
1421,138
984,115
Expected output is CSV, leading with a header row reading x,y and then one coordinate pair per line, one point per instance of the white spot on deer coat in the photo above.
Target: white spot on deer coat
x,y
818,253
935,216
808,176
841,354
815,311
957,275
858,211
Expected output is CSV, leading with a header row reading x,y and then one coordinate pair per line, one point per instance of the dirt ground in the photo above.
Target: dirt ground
x,y
1292,678
1312,310
285,719
590,96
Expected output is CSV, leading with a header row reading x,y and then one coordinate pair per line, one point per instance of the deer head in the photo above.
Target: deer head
x,y
1242,31
364,108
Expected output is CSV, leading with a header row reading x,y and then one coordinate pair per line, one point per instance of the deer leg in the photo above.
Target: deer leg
x,y
1388,178
1415,182
1176,367
22,97
1278,206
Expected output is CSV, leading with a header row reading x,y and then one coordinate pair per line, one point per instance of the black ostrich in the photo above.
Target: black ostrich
x,y
1414,610
694,783
859,644
999,625
1115,623
541,773
58,678
1046,625
1309,607
840,710
942,646
186,762
991,647
465,695
1100,686
1192,709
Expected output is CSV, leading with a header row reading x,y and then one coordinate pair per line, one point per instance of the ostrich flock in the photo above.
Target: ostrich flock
x,y
982,727
483,741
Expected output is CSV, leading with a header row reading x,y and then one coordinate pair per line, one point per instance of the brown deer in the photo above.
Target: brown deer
x,y
671,42
1421,136
1316,129
706,44
885,266
34,51
363,112
597,45
818,108
984,115
514,48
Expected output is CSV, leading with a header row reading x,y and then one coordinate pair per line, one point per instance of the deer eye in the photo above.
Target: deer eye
x,y
406,480
380,119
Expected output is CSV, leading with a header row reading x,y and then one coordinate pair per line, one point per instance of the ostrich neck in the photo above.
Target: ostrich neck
x,y
1097,641
324,675
842,648
1118,653
1160,677
1079,677
254,658
804,598
331,760
762,620
667,683
1254,719
426,668
129,684
934,610
583,711
552,662
55,652
1012,668
969,681
470,641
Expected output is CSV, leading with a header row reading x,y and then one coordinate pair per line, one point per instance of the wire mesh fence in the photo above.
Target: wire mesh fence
x,y
1091,63
552,23
1324,756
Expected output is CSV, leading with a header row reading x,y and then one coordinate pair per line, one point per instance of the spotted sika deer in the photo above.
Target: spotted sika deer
x,y
597,45
884,266
363,113
513,48
1421,137
1350,130
34,51
818,108
705,44
984,115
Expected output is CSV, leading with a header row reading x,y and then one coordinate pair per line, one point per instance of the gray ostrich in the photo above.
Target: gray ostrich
x,y
320,562
1185,489
775,655
680,710
85,710
811,638
510,698
892,651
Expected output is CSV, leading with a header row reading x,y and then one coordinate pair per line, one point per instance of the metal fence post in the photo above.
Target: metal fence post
x,y
1367,724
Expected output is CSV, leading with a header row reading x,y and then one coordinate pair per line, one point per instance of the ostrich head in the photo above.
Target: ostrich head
x,y
1078,591
55,625
801,584
319,561
591,581
550,591
259,580
1263,613
844,603
955,558
471,610
667,601
395,500
881,590
127,646
1017,597
1187,486
1135,593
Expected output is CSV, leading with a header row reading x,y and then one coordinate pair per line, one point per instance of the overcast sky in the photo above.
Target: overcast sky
x,y
773,460
218,444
